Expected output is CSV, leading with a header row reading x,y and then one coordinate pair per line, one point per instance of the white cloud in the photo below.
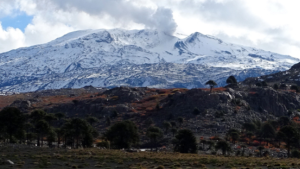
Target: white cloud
x,y
11,38
267,24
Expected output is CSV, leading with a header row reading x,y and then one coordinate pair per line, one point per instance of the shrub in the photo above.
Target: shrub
x,y
103,144
296,154
196,111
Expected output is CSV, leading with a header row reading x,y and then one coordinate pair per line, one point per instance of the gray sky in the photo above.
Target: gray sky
x,y
266,24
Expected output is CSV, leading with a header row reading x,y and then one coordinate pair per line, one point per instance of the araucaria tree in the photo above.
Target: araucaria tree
x,y
291,136
231,80
196,111
211,84
224,146
11,121
122,135
80,132
154,134
185,142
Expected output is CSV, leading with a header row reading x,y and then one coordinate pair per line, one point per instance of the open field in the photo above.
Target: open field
x,y
34,157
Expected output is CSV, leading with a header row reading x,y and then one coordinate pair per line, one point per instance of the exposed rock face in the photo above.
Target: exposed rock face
x,y
274,103
296,66
288,77
219,110
126,94
23,105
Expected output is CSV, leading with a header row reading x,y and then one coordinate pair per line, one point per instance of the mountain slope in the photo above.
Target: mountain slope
x,y
106,58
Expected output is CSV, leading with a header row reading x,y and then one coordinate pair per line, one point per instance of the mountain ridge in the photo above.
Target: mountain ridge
x,y
107,58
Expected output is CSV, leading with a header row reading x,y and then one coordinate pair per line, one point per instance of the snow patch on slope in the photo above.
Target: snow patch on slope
x,y
105,58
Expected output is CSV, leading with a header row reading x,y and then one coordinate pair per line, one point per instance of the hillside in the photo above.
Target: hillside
x,y
209,115
220,110
137,58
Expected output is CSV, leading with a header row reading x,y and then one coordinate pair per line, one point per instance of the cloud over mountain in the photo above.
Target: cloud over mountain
x,y
266,24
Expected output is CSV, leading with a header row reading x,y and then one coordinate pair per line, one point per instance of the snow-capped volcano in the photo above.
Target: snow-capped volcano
x,y
106,58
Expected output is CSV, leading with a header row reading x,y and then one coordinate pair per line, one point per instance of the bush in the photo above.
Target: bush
x,y
276,87
296,154
219,114
103,144
296,88
196,111
264,84
258,84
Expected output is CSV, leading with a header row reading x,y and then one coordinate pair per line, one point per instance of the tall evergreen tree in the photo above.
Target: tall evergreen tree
x,y
186,142
291,136
122,134
224,146
11,121
211,84
154,134
231,80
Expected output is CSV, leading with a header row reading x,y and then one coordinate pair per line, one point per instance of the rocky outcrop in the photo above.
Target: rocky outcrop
x,y
126,94
219,110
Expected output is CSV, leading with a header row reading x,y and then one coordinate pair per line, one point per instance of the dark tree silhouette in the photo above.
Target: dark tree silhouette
x,y
249,127
148,122
154,134
211,84
79,129
224,146
186,142
92,120
60,133
167,125
258,84
174,131
260,148
296,88
196,111
114,114
173,123
108,121
268,131
42,128
60,115
231,80
264,84
28,127
11,121
122,134
291,136
233,134
37,115
180,120
52,136
283,86
284,121
275,86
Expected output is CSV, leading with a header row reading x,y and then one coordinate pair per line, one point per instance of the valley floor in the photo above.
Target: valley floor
x,y
34,157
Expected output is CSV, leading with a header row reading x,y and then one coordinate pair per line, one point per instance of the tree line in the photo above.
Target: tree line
x,y
267,133
17,127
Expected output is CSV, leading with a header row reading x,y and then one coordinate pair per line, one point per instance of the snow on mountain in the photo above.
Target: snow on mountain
x,y
106,58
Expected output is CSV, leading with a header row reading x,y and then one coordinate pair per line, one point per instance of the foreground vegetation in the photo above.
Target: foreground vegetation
x,y
96,158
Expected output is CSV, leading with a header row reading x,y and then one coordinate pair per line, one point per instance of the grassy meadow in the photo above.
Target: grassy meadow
x,y
33,157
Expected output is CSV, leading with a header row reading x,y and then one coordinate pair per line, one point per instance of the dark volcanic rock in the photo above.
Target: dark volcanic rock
x,y
126,94
296,66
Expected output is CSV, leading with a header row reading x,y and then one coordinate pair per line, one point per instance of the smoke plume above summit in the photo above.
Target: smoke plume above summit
x,y
122,12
